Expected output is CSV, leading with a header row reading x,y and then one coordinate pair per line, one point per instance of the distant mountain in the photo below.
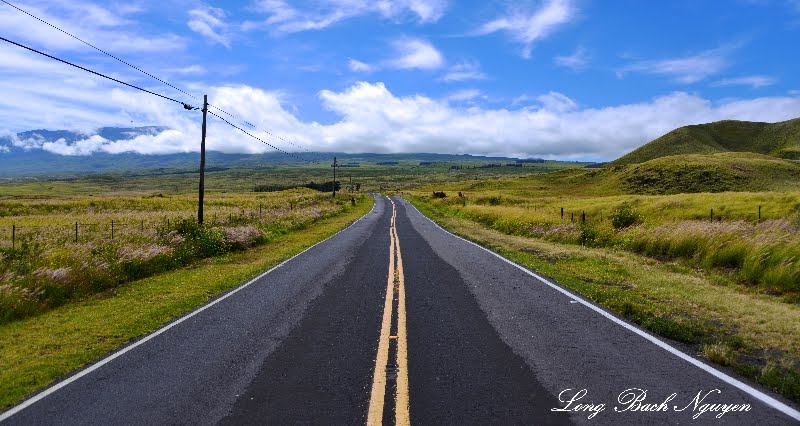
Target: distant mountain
x,y
19,161
781,140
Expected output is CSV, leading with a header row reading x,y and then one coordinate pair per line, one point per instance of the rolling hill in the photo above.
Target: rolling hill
x,y
781,140
676,174
25,156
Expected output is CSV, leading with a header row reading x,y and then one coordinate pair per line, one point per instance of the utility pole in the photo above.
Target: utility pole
x,y
202,163
334,176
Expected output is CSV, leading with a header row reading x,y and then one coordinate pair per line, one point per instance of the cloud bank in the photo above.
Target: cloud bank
x,y
373,119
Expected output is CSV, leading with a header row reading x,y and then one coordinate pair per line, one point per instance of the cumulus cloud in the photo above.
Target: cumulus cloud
x,y
373,119
527,27
415,53
209,22
557,102
283,18
358,66
409,53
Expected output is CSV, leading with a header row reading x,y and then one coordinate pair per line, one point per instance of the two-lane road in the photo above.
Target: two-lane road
x,y
396,320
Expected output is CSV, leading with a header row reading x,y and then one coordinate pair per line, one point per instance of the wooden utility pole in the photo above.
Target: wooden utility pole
x,y
334,176
202,163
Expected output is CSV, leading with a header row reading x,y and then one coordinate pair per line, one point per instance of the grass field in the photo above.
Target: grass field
x,y
370,176
729,288
73,247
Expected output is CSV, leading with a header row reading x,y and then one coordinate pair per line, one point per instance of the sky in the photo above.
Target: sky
x,y
556,79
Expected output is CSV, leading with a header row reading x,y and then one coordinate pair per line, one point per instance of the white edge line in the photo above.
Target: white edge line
x,y
755,393
52,389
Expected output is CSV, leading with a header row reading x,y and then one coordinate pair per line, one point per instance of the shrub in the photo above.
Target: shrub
x,y
589,235
439,194
199,241
624,216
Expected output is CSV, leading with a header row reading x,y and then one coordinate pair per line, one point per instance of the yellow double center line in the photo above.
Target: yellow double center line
x,y
396,368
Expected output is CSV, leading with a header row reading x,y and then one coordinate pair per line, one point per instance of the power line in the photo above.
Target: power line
x,y
136,68
228,114
261,140
97,48
265,131
185,105
120,60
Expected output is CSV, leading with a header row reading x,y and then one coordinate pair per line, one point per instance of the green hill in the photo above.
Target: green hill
x,y
690,173
729,171
781,140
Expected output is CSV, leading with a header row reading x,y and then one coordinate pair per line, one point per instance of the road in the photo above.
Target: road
x,y
394,320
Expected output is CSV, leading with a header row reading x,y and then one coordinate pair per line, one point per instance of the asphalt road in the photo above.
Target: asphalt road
x,y
325,338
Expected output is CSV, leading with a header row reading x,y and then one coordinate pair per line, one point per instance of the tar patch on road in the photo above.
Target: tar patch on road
x,y
460,371
322,372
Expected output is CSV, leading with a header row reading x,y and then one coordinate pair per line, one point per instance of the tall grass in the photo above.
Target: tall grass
x,y
763,253
46,267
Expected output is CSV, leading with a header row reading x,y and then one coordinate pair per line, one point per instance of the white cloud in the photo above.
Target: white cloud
x,y
358,66
528,27
687,69
372,119
413,53
190,70
754,81
107,28
464,95
285,18
557,102
577,61
464,71
209,22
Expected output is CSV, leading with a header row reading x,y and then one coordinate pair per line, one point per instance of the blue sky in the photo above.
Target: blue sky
x,y
569,79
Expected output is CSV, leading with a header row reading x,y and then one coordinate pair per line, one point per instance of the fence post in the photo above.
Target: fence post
x,y
583,217
712,215
572,217
13,236
759,213
76,232
562,213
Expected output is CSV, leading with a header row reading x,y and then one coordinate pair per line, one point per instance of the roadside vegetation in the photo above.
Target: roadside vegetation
x,y
72,248
761,255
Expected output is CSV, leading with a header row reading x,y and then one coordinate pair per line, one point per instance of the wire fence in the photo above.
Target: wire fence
x,y
127,228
